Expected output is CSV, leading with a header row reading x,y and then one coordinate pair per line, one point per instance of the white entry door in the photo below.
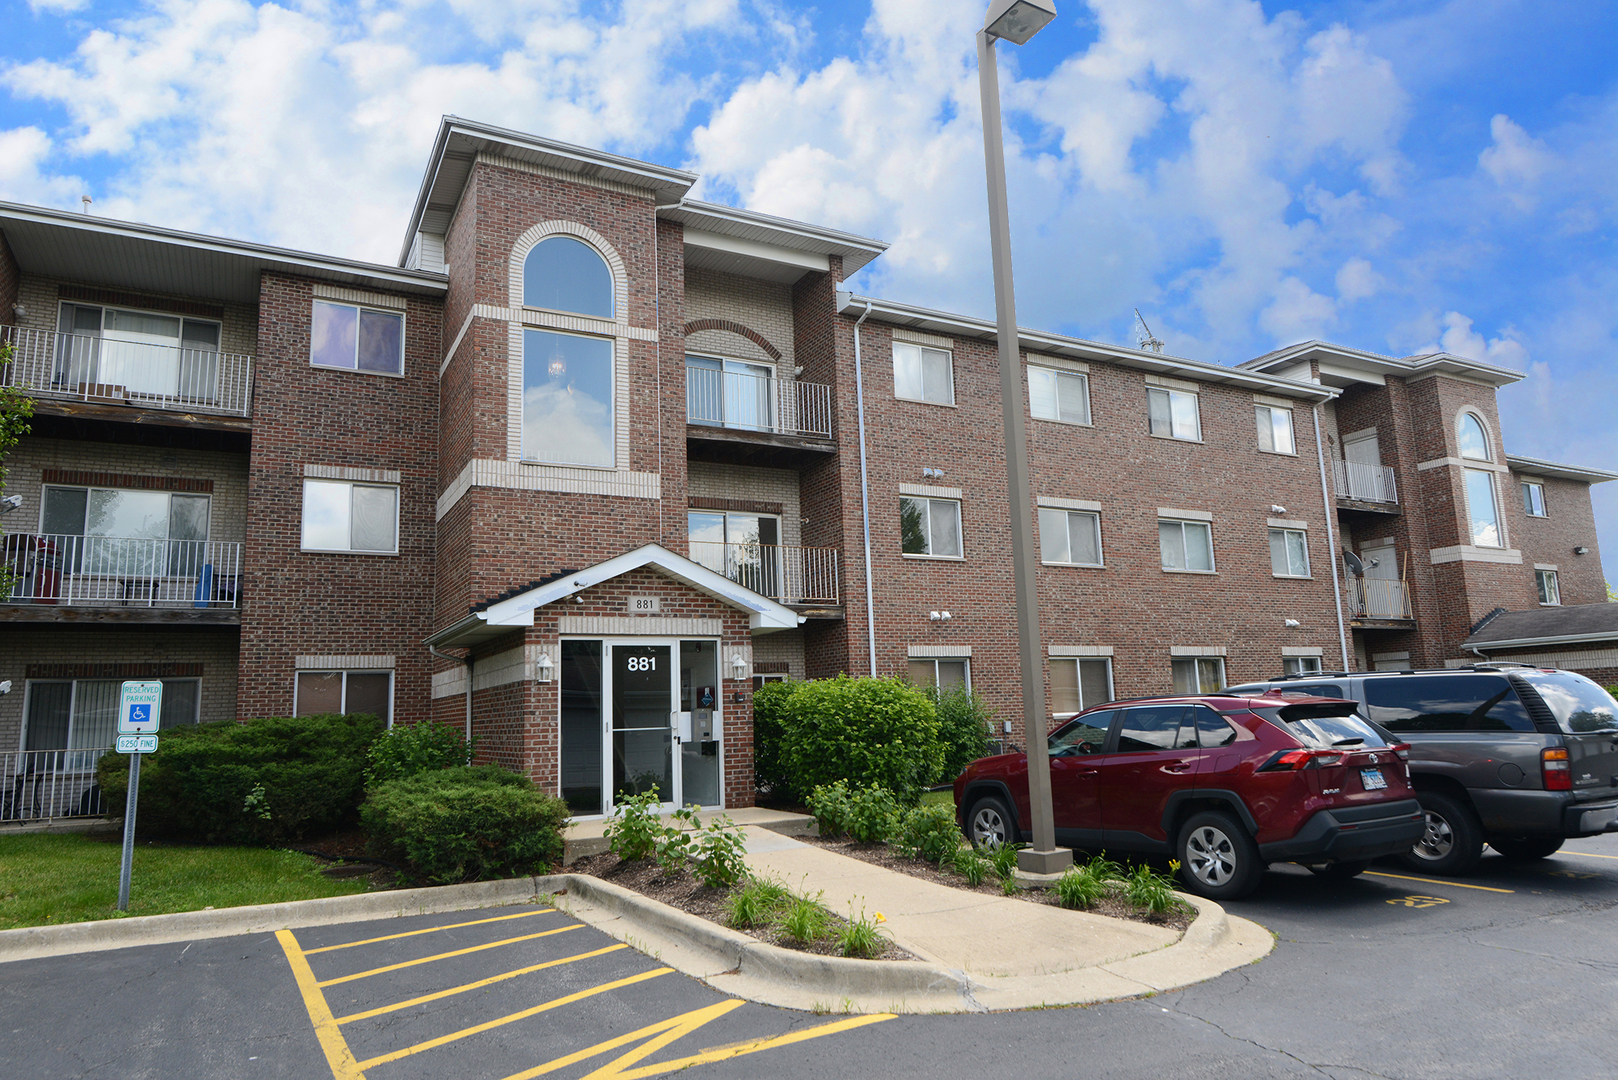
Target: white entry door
x,y
642,720
1362,459
1384,596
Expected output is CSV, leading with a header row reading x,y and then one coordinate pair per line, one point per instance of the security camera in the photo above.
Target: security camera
x,y
10,503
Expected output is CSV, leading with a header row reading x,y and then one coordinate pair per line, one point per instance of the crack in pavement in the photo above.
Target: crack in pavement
x,y
1312,1066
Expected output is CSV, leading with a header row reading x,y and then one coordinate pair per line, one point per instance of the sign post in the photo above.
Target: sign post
x,y
139,708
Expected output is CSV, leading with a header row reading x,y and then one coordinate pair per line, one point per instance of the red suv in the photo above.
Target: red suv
x,y
1226,785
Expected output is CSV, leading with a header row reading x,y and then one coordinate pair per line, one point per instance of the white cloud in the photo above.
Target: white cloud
x,y
59,7
1357,280
1297,313
1515,160
1460,339
23,153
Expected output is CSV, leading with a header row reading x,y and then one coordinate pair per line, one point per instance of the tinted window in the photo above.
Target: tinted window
x,y
1446,703
1578,704
1324,732
1212,729
1152,728
1324,690
1091,731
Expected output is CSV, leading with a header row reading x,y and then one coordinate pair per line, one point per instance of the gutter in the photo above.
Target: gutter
x,y
1331,538
865,492
1528,643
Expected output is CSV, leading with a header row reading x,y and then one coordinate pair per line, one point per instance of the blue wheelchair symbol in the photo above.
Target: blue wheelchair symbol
x,y
137,714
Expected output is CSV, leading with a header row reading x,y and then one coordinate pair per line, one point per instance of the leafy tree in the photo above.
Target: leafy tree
x,y
15,409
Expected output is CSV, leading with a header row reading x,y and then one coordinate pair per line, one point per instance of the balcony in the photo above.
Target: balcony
x,y
67,578
104,371
795,576
760,419
1380,604
39,785
1361,486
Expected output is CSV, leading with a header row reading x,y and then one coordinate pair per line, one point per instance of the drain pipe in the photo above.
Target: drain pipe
x,y
1331,537
865,490
467,660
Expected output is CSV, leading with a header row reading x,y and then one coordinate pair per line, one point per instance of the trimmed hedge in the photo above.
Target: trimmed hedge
x,y
770,720
869,732
263,781
965,722
465,823
407,749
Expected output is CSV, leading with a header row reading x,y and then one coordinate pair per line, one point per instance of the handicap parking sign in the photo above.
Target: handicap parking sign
x,y
139,708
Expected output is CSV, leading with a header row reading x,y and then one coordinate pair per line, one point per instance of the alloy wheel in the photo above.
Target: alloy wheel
x,y
1211,857
988,826
1437,841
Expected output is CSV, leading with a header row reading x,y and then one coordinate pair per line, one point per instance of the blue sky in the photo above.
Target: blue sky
x,y
1394,176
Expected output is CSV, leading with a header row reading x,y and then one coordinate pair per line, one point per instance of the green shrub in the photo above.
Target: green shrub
x,y
769,726
634,833
869,732
805,920
829,804
929,832
262,781
718,853
965,724
1079,887
970,864
466,823
1150,891
873,815
407,749
862,937
755,904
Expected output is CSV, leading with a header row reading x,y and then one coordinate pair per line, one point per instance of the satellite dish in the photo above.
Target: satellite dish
x,y
1355,567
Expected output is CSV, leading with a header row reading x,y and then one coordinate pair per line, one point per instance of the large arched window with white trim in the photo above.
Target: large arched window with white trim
x,y
1474,442
565,274
567,398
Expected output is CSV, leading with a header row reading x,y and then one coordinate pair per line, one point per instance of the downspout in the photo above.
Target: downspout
x,y
657,327
1331,537
467,660
865,491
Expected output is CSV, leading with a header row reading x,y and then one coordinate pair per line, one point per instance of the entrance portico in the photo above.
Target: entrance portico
x,y
602,682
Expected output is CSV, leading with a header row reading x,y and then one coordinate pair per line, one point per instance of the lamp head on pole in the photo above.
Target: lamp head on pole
x,y
1018,20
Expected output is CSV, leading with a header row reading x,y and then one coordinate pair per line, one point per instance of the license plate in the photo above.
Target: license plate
x,y
1372,779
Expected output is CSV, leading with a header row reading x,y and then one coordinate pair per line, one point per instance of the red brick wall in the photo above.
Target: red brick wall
x,y
302,603
1569,523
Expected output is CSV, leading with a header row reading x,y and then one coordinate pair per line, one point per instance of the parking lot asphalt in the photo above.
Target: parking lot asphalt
x,y
1510,972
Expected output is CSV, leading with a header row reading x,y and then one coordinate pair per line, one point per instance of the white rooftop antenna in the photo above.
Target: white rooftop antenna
x,y
86,200
1144,340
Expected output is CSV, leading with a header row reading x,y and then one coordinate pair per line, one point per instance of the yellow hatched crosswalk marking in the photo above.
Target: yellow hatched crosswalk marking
x,y
445,955
429,930
332,1043
725,1053
423,999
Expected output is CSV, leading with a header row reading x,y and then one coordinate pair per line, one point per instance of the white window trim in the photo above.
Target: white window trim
x,y
1299,661
1196,398
1499,513
1083,376
1196,662
393,685
60,304
964,658
1112,692
1206,523
1291,427
1292,528
1067,521
72,703
404,337
724,359
1483,426
397,510
952,402
1540,576
87,488
620,400
960,522
1545,510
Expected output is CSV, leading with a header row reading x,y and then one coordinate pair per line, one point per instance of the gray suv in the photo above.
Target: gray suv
x,y
1517,757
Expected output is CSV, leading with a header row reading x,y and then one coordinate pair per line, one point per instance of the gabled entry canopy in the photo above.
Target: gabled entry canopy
x,y
509,613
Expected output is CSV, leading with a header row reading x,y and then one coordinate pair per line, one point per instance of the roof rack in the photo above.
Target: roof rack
x,y
1483,665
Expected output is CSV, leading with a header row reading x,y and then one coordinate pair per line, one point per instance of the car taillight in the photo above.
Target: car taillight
x,y
1554,766
1403,750
1292,760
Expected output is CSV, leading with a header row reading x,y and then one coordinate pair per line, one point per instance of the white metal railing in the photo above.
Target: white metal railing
x,y
1359,480
736,399
138,373
39,784
110,571
1379,598
789,575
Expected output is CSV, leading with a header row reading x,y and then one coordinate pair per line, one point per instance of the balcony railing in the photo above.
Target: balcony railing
x,y
132,372
110,571
1367,483
40,784
735,399
788,575
1378,598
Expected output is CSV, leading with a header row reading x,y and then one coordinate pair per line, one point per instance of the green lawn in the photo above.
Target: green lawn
x,y
51,879
942,798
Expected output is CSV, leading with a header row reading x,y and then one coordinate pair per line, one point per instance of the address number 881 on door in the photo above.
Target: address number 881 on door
x,y
641,663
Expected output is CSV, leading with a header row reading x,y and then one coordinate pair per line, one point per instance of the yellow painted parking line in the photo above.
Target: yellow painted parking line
x,y
429,930
1586,854
489,1025
338,1055
446,955
683,1024
725,1053
1430,881
366,1015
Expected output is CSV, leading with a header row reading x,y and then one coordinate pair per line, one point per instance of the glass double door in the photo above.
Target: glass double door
x,y
639,714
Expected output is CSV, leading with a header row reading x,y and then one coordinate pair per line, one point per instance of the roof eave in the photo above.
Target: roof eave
x,y
1535,642
1558,471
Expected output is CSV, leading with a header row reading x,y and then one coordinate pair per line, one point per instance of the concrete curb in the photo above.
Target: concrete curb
x,y
729,961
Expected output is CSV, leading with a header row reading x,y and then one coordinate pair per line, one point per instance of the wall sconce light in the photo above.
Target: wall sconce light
x,y
738,667
1274,509
1293,624
1581,550
939,616
543,668
930,473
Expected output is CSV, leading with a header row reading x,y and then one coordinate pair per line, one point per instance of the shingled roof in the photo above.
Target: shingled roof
x,y
1569,625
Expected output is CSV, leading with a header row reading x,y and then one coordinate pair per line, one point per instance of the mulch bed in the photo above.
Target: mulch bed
x,y
884,856
681,890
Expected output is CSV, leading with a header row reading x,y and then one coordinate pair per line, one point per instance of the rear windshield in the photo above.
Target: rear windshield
x,y
1325,732
1579,705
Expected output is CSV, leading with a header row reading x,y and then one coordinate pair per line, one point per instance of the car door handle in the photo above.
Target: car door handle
x,y
1177,766
1086,772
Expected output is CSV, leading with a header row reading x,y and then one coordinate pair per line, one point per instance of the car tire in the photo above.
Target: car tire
x,y
989,823
1453,843
1218,859
1341,871
1526,848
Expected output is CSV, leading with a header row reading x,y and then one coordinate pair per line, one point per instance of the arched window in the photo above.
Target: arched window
x,y
1474,443
565,274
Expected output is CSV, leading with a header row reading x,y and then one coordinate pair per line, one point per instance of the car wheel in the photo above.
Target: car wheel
x,y
1453,842
1341,871
1526,848
1217,857
989,823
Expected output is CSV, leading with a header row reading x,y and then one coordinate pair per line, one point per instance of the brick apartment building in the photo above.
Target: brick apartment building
x,y
596,458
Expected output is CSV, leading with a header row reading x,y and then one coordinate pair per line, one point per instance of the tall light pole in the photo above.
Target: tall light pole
x,y
1016,21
